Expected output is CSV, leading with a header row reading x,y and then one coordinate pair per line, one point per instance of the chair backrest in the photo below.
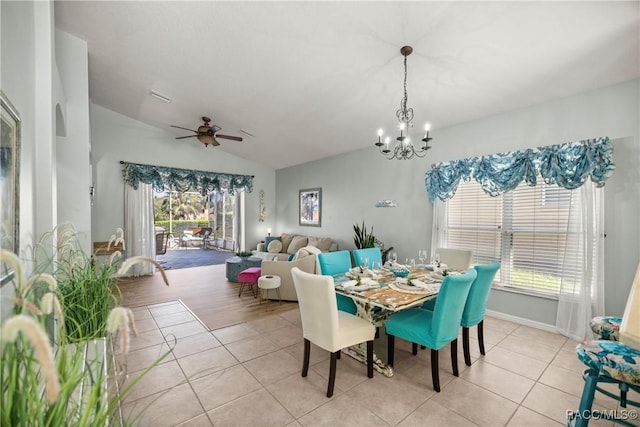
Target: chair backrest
x,y
318,308
334,262
456,259
479,294
371,254
450,303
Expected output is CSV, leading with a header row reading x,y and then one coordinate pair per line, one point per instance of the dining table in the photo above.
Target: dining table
x,y
378,294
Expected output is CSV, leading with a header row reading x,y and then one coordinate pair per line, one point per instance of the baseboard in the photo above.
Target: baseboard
x,y
522,321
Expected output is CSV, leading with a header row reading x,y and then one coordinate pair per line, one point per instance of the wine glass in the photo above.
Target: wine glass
x,y
376,266
393,257
364,264
422,255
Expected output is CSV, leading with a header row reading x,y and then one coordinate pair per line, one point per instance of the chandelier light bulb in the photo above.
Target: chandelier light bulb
x,y
427,127
380,132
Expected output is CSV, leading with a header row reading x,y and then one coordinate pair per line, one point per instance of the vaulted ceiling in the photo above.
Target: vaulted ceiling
x,y
316,79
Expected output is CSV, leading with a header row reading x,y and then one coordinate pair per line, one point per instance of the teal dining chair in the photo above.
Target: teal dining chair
x,y
373,255
474,309
338,262
433,329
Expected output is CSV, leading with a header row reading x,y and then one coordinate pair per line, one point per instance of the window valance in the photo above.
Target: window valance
x,y
163,178
567,165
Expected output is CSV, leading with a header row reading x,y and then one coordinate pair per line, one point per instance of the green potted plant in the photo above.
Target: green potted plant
x,y
365,239
69,389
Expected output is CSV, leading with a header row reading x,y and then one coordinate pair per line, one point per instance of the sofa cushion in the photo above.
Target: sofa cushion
x,y
275,246
297,243
322,243
286,239
268,240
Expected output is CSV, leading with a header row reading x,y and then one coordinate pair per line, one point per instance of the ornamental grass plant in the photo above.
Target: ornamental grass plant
x,y
73,382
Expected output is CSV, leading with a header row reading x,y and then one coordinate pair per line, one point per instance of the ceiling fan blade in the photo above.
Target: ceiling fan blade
x,y
215,128
180,127
183,137
234,138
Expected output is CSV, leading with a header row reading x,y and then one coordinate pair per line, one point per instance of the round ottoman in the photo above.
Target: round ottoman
x,y
265,284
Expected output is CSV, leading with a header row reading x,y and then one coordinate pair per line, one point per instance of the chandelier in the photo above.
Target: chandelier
x,y
403,148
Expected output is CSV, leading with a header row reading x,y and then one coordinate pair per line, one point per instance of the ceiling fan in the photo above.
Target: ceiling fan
x,y
207,134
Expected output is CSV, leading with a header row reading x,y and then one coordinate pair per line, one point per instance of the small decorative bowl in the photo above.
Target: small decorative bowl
x,y
400,272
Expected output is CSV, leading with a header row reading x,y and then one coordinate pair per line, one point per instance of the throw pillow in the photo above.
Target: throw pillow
x,y
286,239
297,243
322,243
274,247
268,240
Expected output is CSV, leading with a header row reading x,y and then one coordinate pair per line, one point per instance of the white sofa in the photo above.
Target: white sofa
x,y
290,244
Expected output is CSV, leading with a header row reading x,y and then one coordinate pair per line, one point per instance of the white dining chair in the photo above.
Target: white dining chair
x,y
325,326
455,259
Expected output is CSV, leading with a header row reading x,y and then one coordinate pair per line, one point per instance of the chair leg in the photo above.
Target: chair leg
x,y
332,374
305,361
241,288
465,346
370,359
586,401
391,341
481,336
435,377
414,348
454,357
339,356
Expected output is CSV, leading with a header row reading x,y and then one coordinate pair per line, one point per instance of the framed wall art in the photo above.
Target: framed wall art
x,y
310,207
9,175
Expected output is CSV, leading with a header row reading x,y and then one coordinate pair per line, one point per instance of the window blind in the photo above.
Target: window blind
x,y
524,229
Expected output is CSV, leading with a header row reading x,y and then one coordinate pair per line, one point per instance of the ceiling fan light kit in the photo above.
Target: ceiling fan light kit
x,y
207,134
403,149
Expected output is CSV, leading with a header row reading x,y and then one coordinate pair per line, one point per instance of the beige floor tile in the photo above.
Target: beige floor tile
x,y
316,355
431,414
146,339
234,333
499,324
292,316
418,370
143,325
568,360
142,358
570,345
285,336
500,381
182,330
491,336
539,336
167,308
392,399
160,409
199,421
273,367
221,387
341,411
174,318
250,348
515,362
267,324
162,377
563,379
551,402
141,313
194,344
255,409
349,372
301,395
527,418
525,347
475,403
206,362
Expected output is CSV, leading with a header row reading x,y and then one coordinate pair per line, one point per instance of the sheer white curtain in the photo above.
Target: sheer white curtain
x,y
439,229
582,284
138,226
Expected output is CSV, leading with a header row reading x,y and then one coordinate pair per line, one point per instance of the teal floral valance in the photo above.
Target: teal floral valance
x,y
567,165
163,178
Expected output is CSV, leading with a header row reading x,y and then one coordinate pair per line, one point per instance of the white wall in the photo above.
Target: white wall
x,y
353,182
73,145
116,137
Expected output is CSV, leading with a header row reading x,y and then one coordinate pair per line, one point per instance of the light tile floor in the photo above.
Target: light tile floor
x,y
249,375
